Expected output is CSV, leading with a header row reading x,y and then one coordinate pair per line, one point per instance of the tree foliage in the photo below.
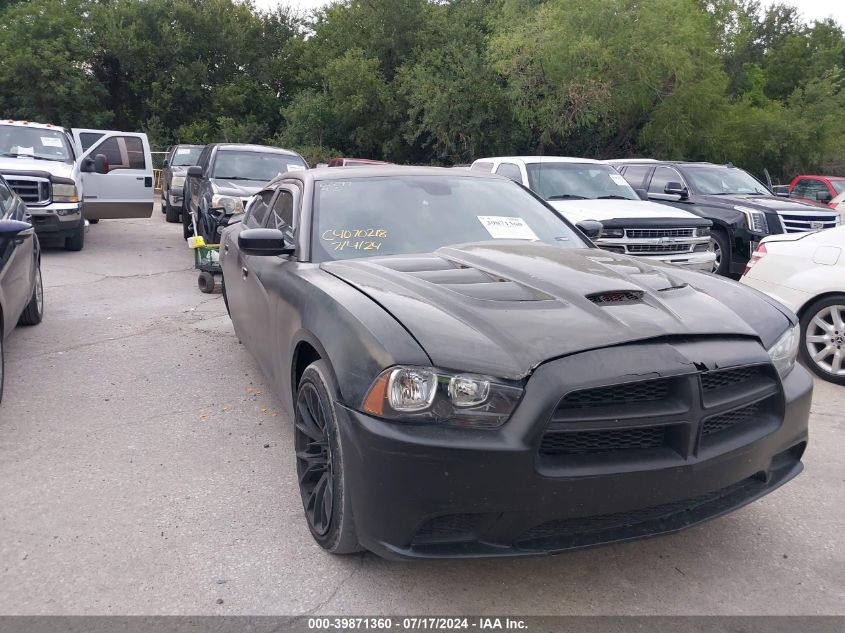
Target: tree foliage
x,y
441,81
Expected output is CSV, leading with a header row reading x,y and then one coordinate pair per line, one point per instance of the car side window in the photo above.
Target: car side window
x,y
636,175
259,210
203,159
509,170
482,166
123,152
662,176
812,188
281,216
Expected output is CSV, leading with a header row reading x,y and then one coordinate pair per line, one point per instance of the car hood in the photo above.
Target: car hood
x,y
237,188
503,308
768,203
31,165
580,210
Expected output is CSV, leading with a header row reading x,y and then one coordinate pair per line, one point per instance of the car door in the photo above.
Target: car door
x,y
126,190
16,257
237,266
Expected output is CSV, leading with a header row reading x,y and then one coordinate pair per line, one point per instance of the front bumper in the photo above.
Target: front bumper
x,y
441,492
174,197
56,219
695,261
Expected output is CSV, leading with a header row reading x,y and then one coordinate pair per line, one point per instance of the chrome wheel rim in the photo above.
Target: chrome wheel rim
x,y
825,339
717,250
314,459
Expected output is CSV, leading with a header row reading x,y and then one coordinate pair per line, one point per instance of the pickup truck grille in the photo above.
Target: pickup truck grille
x,y
803,222
657,241
649,249
636,234
31,189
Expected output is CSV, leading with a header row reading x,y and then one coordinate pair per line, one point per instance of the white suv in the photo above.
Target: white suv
x,y
583,189
65,176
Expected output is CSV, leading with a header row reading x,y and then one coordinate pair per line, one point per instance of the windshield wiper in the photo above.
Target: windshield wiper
x,y
234,178
32,156
613,198
565,196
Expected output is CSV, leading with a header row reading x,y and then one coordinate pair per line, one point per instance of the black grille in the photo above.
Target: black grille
x,y
658,248
572,527
713,380
30,191
628,393
730,419
605,441
653,233
449,527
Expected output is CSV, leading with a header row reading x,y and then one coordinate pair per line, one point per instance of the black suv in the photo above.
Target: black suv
x,y
225,178
743,210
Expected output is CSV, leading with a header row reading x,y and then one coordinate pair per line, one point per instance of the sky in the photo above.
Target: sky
x,y
810,9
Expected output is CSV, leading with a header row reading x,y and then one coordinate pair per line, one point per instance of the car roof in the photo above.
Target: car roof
x,y
381,171
541,159
40,126
820,177
247,147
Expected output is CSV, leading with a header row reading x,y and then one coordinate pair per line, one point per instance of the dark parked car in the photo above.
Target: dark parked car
x,y
225,177
176,163
21,292
469,376
742,209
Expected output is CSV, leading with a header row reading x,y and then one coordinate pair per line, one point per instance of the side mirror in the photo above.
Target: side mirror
x,y
824,196
15,228
263,242
165,163
194,171
642,193
99,164
676,189
591,228
781,190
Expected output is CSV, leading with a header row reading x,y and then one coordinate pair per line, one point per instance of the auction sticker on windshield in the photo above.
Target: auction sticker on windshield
x,y
502,228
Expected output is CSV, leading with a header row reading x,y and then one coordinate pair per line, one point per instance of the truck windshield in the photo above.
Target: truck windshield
x,y
362,217
567,181
720,180
34,142
186,156
259,166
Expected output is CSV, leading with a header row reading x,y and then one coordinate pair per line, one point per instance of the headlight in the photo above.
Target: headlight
x,y
228,203
613,233
177,181
65,193
754,220
428,395
783,352
703,231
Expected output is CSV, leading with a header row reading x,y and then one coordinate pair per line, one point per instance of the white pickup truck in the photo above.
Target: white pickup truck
x,y
67,176
584,189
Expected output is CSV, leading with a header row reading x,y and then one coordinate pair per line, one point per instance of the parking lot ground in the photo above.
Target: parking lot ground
x,y
145,468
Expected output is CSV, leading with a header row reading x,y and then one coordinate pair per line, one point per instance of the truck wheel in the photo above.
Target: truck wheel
x,y
94,221
822,345
205,281
721,247
319,463
34,310
2,367
171,213
187,230
76,241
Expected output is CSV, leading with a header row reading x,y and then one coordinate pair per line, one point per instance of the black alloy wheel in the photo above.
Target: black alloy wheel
x,y
314,459
319,463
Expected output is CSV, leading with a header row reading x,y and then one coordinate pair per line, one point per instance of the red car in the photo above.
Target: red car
x,y
818,189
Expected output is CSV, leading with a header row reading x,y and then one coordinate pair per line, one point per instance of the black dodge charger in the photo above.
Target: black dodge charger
x,y
469,376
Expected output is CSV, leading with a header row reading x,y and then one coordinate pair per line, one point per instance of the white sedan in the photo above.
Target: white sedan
x,y
806,272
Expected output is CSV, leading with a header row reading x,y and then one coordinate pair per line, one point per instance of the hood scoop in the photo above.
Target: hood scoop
x,y
616,297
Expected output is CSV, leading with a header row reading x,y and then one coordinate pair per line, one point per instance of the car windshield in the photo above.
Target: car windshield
x,y
562,181
34,142
392,215
717,180
186,156
261,166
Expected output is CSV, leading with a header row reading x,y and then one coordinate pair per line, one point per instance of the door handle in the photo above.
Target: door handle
x,y
244,272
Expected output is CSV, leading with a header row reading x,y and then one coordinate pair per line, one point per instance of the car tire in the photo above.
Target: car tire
x,y
2,366
94,221
205,281
319,463
34,310
163,201
187,230
225,296
76,241
721,246
822,321
171,213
